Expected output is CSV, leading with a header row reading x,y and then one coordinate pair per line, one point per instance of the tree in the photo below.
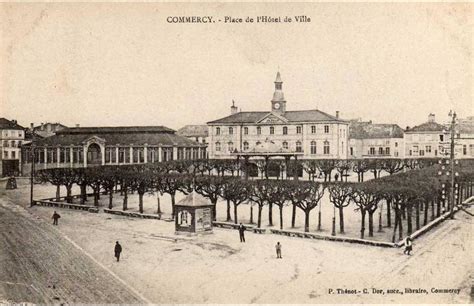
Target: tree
x,y
279,195
366,196
343,166
260,192
340,195
306,196
360,166
53,176
236,191
209,187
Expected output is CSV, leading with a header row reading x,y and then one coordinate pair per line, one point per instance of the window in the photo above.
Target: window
x,y
138,155
422,153
122,155
218,146
230,145
246,130
428,149
246,145
285,130
372,151
396,153
313,147
441,137
380,151
5,143
326,129
352,151
13,154
5,154
19,143
298,146
285,145
272,130
259,130
396,144
387,151
231,131
13,144
464,149
20,134
218,131
298,130
313,129
415,150
326,147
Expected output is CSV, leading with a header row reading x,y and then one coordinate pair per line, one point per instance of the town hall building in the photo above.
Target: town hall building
x,y
312,134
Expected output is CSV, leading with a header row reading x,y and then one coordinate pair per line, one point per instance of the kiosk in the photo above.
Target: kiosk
x,y
193,215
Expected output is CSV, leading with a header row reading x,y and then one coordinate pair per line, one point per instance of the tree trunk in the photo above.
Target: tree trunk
x,y
380,220
236,220
362,224
111,196
58,192
432,210
409,219
425,212
371,224
270,214
68,194
259,217
83,193
229,218
306,221
251,214
158,204
319,219
281,216
438,208
293,216
173,201
214,209
404,214
417,215
389,213
341,220
140,202
125,198
397,216
96,196
400,228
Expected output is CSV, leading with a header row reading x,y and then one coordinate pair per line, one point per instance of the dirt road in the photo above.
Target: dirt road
x,y
38,265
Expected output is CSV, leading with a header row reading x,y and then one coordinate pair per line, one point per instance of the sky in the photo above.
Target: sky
x,y
121,64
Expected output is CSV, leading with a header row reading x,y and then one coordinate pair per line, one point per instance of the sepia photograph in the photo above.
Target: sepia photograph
x,y
236,153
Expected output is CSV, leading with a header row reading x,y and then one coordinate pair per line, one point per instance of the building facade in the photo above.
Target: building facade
x,y
12,137
48,129
369,140
93,146
426,140
464,138
198,133
314,133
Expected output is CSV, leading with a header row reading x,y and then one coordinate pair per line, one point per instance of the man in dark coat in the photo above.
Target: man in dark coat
x,y
242,232
55,218
118,250
278,249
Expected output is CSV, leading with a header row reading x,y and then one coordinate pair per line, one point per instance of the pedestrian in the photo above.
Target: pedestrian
x,y
55,218
118,250
278,249
242,232
408,245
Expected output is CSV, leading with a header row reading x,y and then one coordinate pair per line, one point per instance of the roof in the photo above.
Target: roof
x,y
278,78
466,126
10,124
430,126
114,136
57,124
194,199
115,130
367,130
193,131
292,117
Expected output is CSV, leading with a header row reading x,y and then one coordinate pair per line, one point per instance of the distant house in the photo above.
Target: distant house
x,y
464,138
12,136
48,129
198,133
427,140
369,140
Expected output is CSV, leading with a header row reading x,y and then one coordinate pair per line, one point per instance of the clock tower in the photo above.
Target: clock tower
x,y
278,101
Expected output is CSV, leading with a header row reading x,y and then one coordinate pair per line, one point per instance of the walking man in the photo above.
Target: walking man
x,y
278,249
242,232
55,218
118,250
408,245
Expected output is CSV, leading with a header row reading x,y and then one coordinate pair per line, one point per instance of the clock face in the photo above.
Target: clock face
x,y
276,105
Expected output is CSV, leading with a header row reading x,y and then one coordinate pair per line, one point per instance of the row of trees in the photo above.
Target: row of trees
x,y
405,194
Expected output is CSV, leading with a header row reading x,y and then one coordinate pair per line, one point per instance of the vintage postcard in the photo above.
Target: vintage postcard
x,y
237,153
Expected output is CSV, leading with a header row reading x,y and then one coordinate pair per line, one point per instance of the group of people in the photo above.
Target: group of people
x,y
242,229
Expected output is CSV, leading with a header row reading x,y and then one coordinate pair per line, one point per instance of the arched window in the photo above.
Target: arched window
x,y
218,146
246,145
313,147
259,130
246,130
218,131
230,145
326,147
285,130
272,130
231,131
298,147
285,145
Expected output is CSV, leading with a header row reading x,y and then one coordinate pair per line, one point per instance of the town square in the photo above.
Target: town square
x,y
143,161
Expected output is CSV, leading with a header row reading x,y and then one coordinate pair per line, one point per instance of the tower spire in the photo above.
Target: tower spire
x,y
278,101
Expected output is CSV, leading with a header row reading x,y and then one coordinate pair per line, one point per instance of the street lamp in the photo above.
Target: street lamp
x,y
32,174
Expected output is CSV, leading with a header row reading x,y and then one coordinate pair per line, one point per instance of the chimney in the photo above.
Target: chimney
x,y
431,118
337,114
14,121
233,108
78,125
42,126
32,126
